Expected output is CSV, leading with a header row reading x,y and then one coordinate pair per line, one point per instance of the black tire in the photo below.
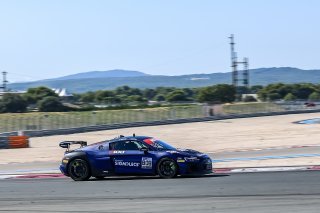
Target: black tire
x,y
167,168
79,170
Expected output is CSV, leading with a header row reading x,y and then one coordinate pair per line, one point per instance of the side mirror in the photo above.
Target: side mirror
x,y
144,149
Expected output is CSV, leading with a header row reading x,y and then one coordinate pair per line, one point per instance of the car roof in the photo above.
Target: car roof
x,y
133,138
120,138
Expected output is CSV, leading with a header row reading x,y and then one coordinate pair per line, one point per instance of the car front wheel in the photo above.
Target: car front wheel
x,y
79,170
167,168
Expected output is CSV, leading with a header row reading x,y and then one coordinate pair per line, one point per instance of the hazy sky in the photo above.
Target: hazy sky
x,y
42,39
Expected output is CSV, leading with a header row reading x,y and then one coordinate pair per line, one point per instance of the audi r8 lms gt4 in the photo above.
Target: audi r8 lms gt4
x,y
131,155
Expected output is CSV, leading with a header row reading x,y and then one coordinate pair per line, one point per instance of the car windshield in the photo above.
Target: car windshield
x,y
159,145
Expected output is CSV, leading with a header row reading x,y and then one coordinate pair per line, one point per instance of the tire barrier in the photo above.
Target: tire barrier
x,y
3,142
14,142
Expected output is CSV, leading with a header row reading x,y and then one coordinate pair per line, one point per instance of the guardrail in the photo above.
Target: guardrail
x,y
40,133
14,142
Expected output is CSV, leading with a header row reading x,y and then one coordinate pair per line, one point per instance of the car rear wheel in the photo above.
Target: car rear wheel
x,y
167,168
79,170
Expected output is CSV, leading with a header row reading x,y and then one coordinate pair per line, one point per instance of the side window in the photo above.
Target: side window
x,y
140,145
126,145
131,145
118,145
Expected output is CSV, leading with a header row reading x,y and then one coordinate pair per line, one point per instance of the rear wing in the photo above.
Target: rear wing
x,y
67,144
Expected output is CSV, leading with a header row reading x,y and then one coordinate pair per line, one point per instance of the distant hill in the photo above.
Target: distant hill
x,y
262,76
102,74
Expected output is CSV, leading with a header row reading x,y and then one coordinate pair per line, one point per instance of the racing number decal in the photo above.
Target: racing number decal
x,y
146,163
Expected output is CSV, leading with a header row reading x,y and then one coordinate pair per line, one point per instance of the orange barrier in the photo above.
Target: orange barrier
x,y
18,142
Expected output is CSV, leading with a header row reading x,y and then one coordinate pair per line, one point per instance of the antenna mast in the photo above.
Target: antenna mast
x,y
234,65
246,72
4,81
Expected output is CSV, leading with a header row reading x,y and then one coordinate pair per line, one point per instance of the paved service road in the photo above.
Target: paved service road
x,y
246,192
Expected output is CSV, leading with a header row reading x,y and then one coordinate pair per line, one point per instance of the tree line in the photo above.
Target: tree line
x,y
46,100
126,94
42,98
290,92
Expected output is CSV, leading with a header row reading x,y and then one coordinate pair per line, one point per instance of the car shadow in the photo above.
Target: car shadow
x,y
117,178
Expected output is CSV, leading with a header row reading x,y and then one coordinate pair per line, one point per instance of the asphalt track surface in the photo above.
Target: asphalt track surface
x,y
245,192
267,154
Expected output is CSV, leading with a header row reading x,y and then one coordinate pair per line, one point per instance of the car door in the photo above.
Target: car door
x,y
128,158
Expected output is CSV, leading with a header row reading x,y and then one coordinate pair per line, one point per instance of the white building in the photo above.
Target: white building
x,y
62,92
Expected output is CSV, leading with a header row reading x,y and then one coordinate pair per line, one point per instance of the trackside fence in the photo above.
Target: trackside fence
x,y
63,120
39,124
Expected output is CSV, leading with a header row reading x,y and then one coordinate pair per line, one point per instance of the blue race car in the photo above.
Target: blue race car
x,y
132,155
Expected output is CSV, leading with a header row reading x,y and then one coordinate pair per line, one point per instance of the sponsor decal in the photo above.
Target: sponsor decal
x,y
146,163
117,152
180,160
172,151
126,163
191,158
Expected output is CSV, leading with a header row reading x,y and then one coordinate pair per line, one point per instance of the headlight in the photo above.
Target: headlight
x,y
65,161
